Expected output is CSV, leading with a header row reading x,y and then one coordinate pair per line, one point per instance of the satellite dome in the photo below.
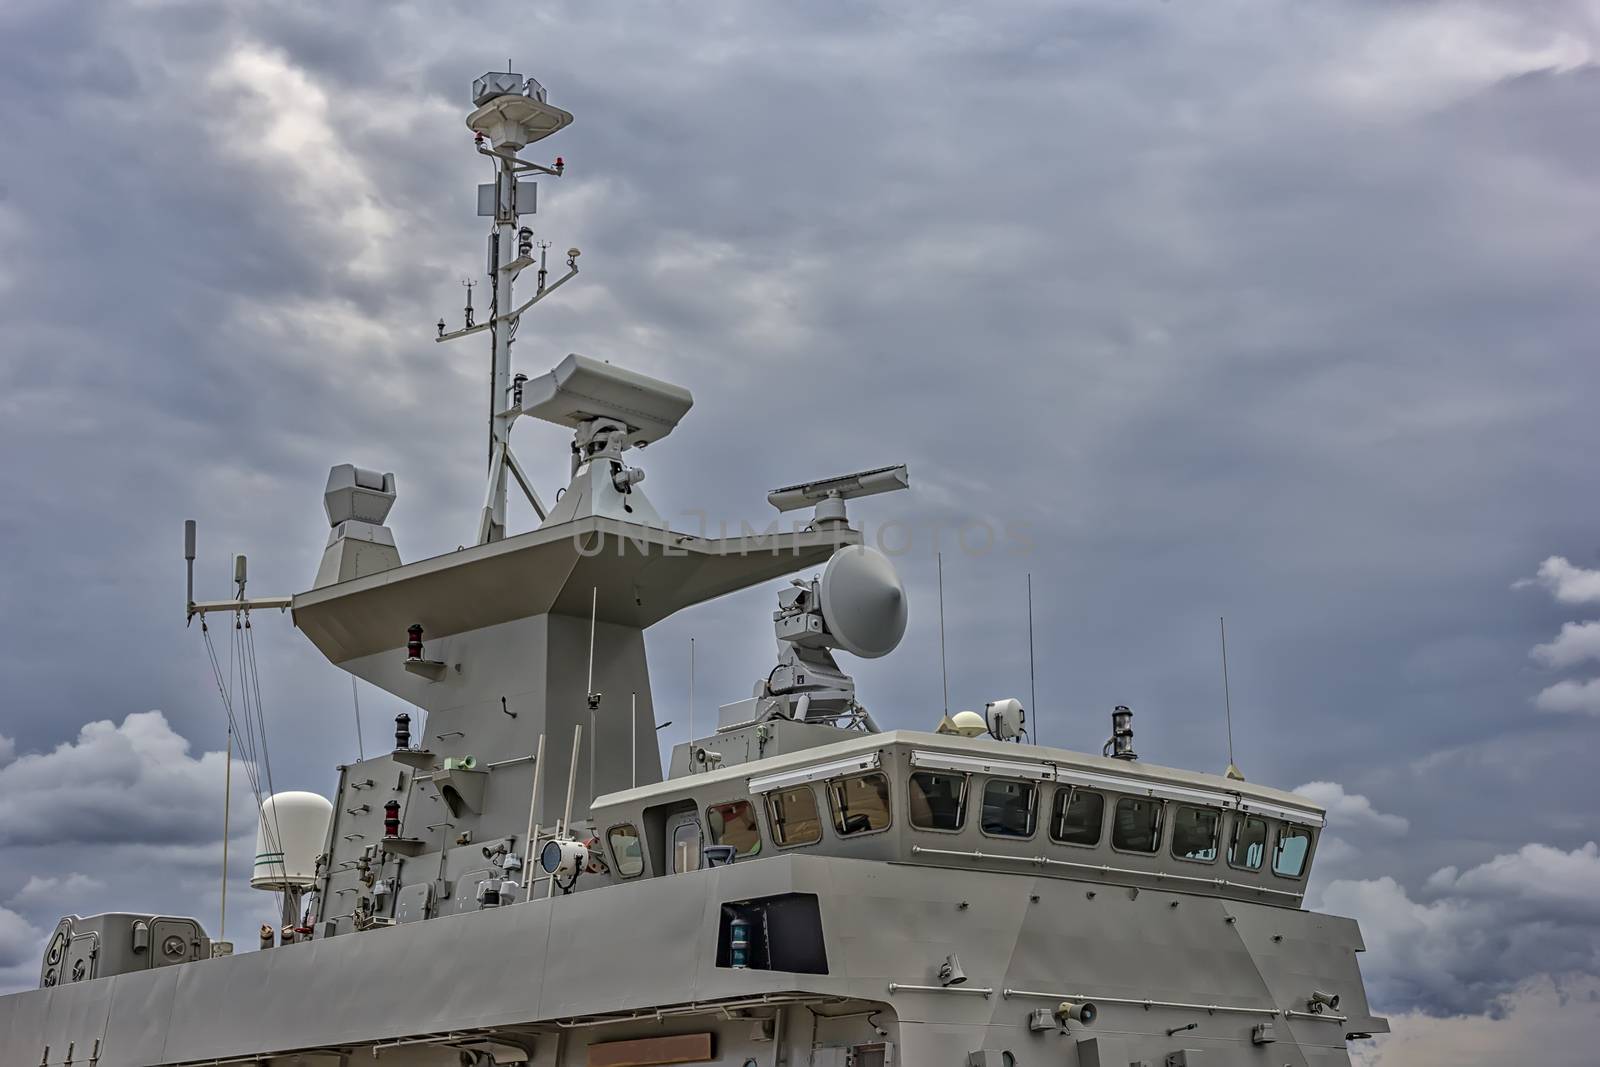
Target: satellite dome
x,y
290,834
969,724
863,601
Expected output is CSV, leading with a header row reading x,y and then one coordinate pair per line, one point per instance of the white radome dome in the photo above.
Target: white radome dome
x,y
289,837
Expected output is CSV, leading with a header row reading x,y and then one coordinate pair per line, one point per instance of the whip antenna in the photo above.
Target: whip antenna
x,y
227,818
944,670
594,698
355,698
1033,688
1233,771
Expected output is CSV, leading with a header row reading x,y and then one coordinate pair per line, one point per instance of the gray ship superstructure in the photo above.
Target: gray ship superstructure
x,y
516,883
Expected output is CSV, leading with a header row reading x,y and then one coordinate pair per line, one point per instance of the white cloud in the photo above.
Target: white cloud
x,y
275,114
61,892
19,941
1535,875
1424,56
8,749
129,783
1352,811
1569,696
1568,583
1577,641
1487,930
1556,1016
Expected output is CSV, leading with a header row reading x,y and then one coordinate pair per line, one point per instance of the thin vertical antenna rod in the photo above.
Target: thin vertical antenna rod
x,y
594,608
355,697
633,720
565,826
594,702
691,704
1033,688
1227,701
944,670
533,810
227,818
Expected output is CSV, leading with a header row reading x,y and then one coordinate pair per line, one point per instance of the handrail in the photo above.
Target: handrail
x,y
1145,1002
1102,868
983,991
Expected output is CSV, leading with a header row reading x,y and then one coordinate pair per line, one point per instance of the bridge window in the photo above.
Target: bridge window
x,y
686,845
625,850
1008,807
860,804
1077,821
1294,845
938,801
735,824
794,817
1249,843
1136,826
1194,833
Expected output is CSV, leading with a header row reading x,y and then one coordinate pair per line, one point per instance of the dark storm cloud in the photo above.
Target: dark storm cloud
x,y
1282,312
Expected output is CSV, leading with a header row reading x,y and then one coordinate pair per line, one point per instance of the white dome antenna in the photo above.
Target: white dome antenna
x,y
859,605
290,837
863,602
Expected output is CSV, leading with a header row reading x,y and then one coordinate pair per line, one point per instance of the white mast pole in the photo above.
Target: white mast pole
x,y
227,814
533,824
505,245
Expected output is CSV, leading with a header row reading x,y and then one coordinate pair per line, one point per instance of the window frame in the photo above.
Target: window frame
x,y
961,804
755,818
1033,808
1271,861
616,857
773,820
1160,828
1072,790
677,823
1216,836
1239,819
888,794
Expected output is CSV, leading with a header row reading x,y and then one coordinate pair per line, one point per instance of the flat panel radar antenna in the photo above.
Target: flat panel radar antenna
x,y
510,112
609,410
829,494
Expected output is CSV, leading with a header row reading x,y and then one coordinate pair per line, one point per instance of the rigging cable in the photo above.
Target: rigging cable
x,y
224,690
266,754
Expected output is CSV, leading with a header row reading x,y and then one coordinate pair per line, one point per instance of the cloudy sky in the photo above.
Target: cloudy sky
x,y
1273,310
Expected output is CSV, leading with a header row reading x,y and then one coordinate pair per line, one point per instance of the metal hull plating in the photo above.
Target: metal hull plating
x,y
543,980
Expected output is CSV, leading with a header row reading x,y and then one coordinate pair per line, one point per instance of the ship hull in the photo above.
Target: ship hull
x,y
543,981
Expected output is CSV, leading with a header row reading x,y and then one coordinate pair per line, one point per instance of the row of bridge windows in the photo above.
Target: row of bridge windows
x,y
1077,816
1007,808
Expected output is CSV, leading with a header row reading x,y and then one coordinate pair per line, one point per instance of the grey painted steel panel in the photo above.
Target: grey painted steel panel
x,y
643,573
136,1032
650,944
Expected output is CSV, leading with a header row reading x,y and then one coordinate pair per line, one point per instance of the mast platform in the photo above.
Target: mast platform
x,y
642,574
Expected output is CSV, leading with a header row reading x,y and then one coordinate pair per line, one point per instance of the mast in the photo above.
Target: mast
x,y
502,280
512,113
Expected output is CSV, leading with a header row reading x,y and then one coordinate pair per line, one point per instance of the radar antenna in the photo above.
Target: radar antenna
x,y
858,605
